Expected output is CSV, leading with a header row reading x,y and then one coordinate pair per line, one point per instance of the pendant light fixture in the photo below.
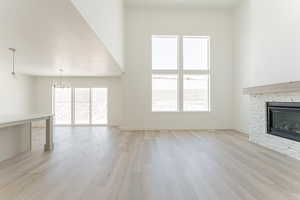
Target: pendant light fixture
x,y
60,83
13,60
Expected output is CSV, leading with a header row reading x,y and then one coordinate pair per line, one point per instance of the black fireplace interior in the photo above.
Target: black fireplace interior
x,y
283,119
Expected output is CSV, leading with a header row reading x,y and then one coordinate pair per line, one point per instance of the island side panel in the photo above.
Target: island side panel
x,y
15,140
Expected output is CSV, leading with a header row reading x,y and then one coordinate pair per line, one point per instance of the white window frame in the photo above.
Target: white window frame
x,y
73,108
180,72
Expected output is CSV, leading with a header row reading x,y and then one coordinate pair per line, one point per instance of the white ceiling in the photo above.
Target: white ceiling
x,y
48,35
187,3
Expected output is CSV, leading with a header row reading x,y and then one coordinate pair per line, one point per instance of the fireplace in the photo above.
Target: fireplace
x,y
283,120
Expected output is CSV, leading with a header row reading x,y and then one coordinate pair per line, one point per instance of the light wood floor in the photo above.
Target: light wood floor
x,y
103,164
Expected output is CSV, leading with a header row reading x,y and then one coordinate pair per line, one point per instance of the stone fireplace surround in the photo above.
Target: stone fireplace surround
x,y
258,128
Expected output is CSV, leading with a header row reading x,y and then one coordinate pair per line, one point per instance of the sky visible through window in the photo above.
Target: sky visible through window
x,y
164,53
63,105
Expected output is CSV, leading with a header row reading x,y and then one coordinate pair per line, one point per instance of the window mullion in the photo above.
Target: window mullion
x,y
72,106
167,71
53,104
91,105
199,72
180,74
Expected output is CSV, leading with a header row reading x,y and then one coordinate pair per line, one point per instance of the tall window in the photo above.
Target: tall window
x,y
80,106
99,105
63,106
180,73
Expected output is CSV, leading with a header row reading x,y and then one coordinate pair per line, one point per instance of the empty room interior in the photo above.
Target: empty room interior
x,y
150,100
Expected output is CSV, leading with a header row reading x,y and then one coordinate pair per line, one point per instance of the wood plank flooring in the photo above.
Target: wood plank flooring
x,y
99,163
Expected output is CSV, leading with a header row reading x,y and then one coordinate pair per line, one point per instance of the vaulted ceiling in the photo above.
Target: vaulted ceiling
x,y
51,34
82,40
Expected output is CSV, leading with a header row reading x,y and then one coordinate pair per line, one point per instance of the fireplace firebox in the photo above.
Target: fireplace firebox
x,y
283,120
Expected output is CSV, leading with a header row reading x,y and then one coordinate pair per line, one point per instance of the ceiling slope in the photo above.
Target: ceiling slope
x,y
48,35
106,19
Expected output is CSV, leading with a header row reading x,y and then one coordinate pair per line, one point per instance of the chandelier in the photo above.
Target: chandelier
x,y
60,83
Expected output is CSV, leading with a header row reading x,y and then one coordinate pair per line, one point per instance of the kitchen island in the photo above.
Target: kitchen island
x,y
21,124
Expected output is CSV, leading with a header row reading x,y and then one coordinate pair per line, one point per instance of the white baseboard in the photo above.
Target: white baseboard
x,y
237,131
177,130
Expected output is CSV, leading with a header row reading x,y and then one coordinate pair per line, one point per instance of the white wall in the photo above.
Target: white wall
x,y
242,66
267,47
276,43
106,19
16,93
140,25
43,94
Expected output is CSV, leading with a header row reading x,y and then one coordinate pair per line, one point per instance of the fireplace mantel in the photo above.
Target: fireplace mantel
x,y
288,87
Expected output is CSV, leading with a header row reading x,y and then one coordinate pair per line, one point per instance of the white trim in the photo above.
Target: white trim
x,y
166,72
180,75
53,101
73,106
196,72
90,106
210,74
